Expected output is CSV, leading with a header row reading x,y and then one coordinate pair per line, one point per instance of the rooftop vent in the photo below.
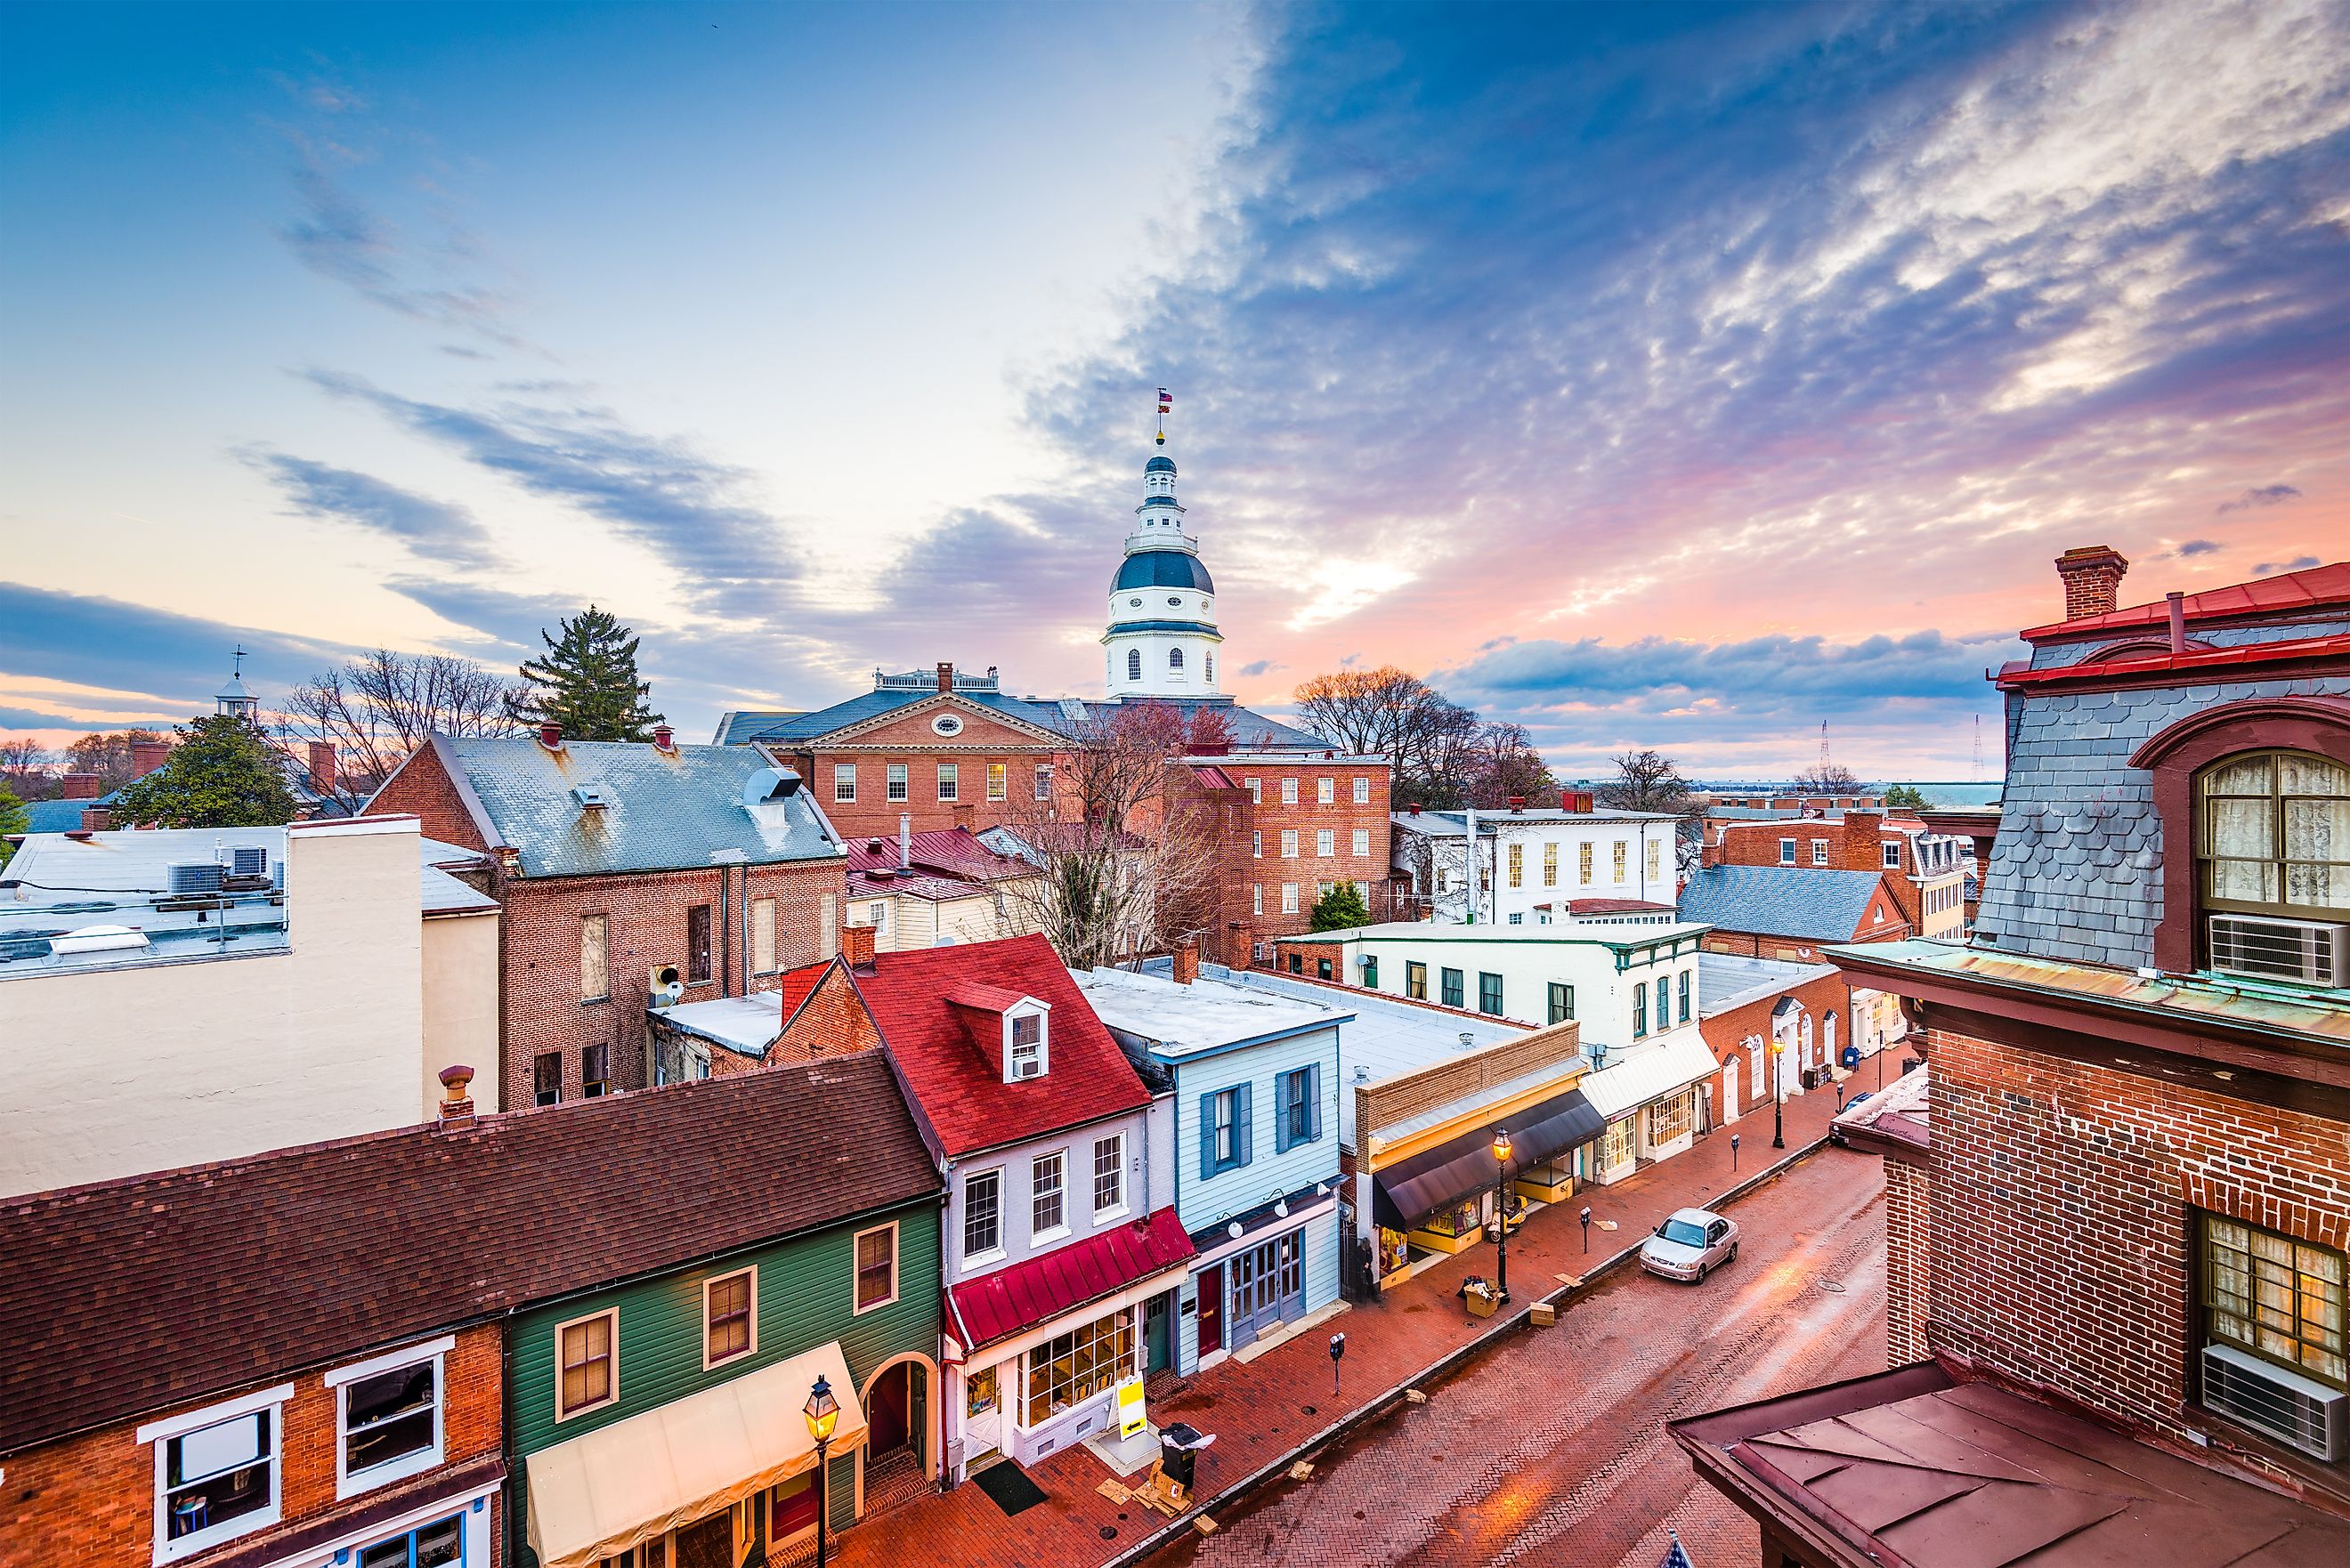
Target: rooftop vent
x,y
193,878
591,798
100,940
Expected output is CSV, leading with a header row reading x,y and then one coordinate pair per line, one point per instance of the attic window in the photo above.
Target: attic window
x,y
1023,1036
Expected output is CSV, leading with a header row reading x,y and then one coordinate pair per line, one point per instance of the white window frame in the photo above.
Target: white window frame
x,y
158,1435
896,786
897,1269
1058,1159
1326,842
612,1395
1362,841
1363,791
748,1351
949,782
1256,792
999,781
1041,1011
1118,1204
1289,898
986,1255
1043,781
1892,854
1786,852
1289,843
844,782
1256,843
1289,792
1326,791
1819,851
1256,897
346,1482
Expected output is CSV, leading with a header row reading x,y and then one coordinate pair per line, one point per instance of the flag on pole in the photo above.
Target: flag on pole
x,y
1675,1556
1166,401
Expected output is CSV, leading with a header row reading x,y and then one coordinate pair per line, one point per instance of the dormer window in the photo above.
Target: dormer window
x,y
1024,1036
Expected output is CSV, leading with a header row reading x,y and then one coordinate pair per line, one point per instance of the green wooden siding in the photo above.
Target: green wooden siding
x,y
805,1298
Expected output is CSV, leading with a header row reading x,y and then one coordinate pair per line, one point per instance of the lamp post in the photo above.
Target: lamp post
x,y
821,1410
1501,1210
1778,1094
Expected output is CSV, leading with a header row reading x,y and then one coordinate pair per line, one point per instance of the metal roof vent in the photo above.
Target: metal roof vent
x,y
193,879
591,798
98,939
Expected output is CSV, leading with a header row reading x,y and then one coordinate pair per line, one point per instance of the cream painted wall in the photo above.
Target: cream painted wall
x,y
148,1067
911,923
461,1006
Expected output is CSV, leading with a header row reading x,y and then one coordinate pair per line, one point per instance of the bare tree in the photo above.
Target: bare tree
x,y
26,767
1648,781
1445,756
1503,764
1827,778
108,755
1125,859
378,708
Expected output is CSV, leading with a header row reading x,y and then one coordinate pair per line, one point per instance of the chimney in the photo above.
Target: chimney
x,y
146,756
2178,602
2092,576
323,773
1574,800
96,819
664,738
856,948
1863,832
904,841
550,736
82,786
946,676
1517,804
458,1108
1187,961
1413,809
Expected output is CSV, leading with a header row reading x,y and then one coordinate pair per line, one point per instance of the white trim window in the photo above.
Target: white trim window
x,y
1786,852
1289,843
1326,791
950,781
982,1215
1362,841
1819,851
1027,1054
1892,850
1326,842
1047,1186
1289,898
587,1363
388,1416
1256,792
876,1256
843,782
1289,792
730,1317
1109,1176
1363,791
895,783
1256,897
216,1472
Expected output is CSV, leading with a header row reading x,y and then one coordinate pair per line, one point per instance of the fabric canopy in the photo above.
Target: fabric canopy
x,y
608,1491
1405,1194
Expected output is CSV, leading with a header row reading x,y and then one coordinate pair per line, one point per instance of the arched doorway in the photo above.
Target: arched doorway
x,y
902,1418
1730,1089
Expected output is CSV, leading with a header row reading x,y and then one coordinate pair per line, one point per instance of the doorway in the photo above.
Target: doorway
x,y
1211,1309
982,1415
1158,1338
889,1413
1729,1090
708,1542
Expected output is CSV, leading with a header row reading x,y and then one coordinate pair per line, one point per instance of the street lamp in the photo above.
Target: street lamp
x,y
822,1411
1778,1094
1501,1208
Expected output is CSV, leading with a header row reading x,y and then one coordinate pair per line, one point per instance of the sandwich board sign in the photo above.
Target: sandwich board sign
x,y
1130,1417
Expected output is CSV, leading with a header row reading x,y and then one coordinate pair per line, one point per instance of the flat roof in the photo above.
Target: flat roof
x,y
58,887
1441,931
1727,981
1209,1014
746,1025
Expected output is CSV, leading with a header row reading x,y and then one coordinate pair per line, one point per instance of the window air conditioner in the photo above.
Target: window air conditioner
x,y
1027,1067
2297,1411
2307,951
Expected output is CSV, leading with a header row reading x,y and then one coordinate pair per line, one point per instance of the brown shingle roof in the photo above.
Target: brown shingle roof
x,y
133,1296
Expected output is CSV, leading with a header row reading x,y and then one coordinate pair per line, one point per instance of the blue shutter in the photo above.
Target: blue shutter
x,y
1281,1140
1240,1118
1207,1136
1314,1099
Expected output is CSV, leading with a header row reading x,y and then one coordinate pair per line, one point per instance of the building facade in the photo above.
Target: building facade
x,y
1533,864
1774,1025
1926,871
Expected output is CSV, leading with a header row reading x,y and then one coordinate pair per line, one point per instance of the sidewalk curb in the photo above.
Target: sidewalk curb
x,y
1378,1407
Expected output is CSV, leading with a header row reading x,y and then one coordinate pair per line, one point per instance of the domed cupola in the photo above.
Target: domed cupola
x,y
1162,635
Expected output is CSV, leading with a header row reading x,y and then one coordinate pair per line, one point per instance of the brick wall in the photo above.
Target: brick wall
x,y
2061,1214
1384,1104
1342,817
1908,1262
90,1500
873,815
833,1021
422,789
1726,1033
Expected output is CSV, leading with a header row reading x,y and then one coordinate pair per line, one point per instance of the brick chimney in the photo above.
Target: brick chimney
x,y
946,676
1187,961
324,774
458,1107
2092,576
550,736
856,948
82,786
664,738
1863,832
146,756
96,819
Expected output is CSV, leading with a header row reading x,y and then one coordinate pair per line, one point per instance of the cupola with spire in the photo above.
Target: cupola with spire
x,y
236,699
1162,638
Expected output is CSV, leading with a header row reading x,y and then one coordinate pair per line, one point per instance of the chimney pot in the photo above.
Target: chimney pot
x,y
1187,961
550,736
458,1107
146,756
664,738
946,676
1517,803
2178,602
82,786
1413,809
856,948
2092,576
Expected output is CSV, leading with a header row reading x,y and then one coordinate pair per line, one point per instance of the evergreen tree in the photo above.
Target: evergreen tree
x,y
588,681
1904,797
12,820
1340,908
223,773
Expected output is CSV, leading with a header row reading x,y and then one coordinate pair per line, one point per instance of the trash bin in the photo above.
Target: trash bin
x,y
1179,1451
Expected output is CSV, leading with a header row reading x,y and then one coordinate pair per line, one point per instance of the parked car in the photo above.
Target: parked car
x,y
1689,1245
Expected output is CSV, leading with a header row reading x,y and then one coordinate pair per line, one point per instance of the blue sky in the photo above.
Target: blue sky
x,y
1678,376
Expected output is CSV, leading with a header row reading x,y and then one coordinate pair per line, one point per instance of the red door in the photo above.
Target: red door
x,y
1212,1308
886,1417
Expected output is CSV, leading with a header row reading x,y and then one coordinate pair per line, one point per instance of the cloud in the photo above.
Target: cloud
x,y
2199,547
2266,495
2299,564
1260,666
179,661
438,531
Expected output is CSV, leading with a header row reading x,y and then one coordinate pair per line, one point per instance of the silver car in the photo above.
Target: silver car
x,y
1689,1245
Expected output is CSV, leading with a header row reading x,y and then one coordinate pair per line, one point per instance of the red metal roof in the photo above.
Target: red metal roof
x,y
2107,671
958,1078
1615,906
946,851
2285,592
1008,1300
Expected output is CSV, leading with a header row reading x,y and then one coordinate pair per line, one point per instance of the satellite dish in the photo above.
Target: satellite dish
x,y
673,989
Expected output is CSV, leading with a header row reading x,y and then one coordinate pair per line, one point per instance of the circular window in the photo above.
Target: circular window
x,y
946,724
1173,600
1135,603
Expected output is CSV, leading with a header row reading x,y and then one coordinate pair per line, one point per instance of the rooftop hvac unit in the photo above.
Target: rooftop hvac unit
x,y
665,984
249,861
2298,1411
2307,951
194,878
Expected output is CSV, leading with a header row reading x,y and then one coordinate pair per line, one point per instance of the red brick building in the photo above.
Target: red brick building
x,y
2120,1216
619,867
1758,1017
1924,871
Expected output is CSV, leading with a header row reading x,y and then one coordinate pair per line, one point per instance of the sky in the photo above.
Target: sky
x,y
1674,376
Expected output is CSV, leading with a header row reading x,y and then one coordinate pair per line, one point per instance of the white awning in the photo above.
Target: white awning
x,y
1640,1076
608,1491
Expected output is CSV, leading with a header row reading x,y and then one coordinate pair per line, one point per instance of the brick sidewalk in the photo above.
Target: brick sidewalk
x,y
1266,1409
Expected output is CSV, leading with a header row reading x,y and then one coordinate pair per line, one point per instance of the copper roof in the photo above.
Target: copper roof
x,y
1911,1467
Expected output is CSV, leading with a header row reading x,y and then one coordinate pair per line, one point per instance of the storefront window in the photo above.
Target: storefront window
x,y
1669,1119
1076,1367
1461,1219
1394,1252
1616,1145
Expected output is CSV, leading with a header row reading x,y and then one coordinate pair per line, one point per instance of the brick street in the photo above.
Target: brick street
x,y
1551,1449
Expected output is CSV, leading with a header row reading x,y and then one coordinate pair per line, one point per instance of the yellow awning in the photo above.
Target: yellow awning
x,y
603,1492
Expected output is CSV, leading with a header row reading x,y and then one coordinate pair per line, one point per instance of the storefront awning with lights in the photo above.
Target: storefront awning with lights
x,y
1407,1194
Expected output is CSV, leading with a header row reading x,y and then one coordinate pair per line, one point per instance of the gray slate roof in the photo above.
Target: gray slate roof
x,y
1802,902
666,811
1250,731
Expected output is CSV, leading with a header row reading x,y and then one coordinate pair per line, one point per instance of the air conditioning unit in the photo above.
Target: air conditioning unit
x,y
195,878
2307,950
666,983
2297,1411
249,861
1027,1067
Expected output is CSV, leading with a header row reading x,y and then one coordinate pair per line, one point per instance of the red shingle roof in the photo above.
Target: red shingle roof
x,y
1042,1288
2316,589
132,1296
959,1082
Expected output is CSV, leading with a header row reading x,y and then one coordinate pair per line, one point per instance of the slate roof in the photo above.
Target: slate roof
x,y
957,1077
667,810
1251,731
1037,1290
132,1296
60,815
1805,903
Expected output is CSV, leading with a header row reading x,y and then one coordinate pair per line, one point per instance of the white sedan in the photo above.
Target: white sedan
x,y
1689,1244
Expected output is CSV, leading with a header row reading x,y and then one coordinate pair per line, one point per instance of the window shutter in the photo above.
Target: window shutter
x,y
1240,1116
1207,1136
1281,1114
1313,1098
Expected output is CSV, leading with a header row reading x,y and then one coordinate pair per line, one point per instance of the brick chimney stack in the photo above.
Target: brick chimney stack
x,y
458,1108
1187,961
946,676
324,774
146,756
82,786
856,948
1863,836
2092,576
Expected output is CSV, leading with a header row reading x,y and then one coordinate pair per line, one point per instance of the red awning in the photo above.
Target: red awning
x,y
1008,1300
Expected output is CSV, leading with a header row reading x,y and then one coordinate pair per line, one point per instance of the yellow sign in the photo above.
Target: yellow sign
x,y
1130,1419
